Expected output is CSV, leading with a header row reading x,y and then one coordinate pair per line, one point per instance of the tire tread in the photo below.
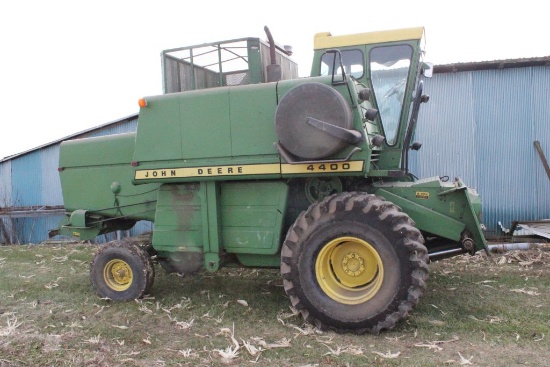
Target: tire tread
x,y
399,223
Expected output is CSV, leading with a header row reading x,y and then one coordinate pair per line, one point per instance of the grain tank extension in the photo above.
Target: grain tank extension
x,y
242,163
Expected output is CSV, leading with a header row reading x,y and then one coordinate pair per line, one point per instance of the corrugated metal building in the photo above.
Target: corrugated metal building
x,y
480,125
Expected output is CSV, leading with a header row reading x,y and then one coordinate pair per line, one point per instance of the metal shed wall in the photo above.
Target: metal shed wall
x,y
481,126
541,116
5,198
5,183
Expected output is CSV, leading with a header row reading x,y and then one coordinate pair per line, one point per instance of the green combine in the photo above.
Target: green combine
x,y
242,163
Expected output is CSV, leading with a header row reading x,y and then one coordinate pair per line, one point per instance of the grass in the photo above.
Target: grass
x,y
479,311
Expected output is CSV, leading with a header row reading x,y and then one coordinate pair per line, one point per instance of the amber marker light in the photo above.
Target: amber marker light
x,y
142,102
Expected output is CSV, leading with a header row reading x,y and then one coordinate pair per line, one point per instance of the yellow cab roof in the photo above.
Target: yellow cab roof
x,y
326,40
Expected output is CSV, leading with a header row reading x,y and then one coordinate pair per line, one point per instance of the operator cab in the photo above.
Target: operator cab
x,y
390,65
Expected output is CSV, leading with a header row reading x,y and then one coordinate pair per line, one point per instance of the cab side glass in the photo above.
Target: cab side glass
x,y
389,67
352,60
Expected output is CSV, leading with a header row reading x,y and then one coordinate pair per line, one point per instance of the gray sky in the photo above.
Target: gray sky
x,y
67,66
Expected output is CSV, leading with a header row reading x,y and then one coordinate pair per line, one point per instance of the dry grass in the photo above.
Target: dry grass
x,y
478,311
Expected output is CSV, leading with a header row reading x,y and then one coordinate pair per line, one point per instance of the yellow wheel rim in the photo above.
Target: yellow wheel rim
x,y
118,275
349,270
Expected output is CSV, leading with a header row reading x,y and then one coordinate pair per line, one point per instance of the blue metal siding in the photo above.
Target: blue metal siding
x,y
480,126
5,193
5,184
34,184
141,227
540,84
27,180
51,184
35,229
446,128
118,128
35,179
505,149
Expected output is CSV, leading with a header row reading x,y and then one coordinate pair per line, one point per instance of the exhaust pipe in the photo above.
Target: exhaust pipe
x,y
274,71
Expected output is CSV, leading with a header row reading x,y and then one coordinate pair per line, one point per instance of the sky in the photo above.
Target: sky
x,y
67,66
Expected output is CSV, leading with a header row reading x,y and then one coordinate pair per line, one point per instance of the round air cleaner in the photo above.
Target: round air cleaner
x,y
311,100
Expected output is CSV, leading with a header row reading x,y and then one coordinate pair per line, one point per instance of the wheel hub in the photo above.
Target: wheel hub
x,y
118,275
349,270
353,264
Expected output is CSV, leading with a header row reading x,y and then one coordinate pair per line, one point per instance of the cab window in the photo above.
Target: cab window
x,y
389,68
352,60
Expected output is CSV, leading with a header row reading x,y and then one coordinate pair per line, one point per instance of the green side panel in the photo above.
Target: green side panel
x,y
252,216
195,127
111,149
252,120
228,133
264,261
179,218
250,213
442,209
425,217
90,188
159,130
96,175
205,123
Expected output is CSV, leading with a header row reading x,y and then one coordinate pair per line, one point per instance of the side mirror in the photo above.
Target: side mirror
x,y
427,69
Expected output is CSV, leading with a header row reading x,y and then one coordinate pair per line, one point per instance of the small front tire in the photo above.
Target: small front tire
x,y
122,271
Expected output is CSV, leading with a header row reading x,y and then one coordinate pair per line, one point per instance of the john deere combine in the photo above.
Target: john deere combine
x,y
241,163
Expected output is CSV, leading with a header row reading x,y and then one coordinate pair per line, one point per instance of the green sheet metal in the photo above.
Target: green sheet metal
x,y
442,209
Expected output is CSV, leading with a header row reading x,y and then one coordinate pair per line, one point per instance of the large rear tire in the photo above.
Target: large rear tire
x,y
122,271
354,262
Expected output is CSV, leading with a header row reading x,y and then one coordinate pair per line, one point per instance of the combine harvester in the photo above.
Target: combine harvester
x,y
241,163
